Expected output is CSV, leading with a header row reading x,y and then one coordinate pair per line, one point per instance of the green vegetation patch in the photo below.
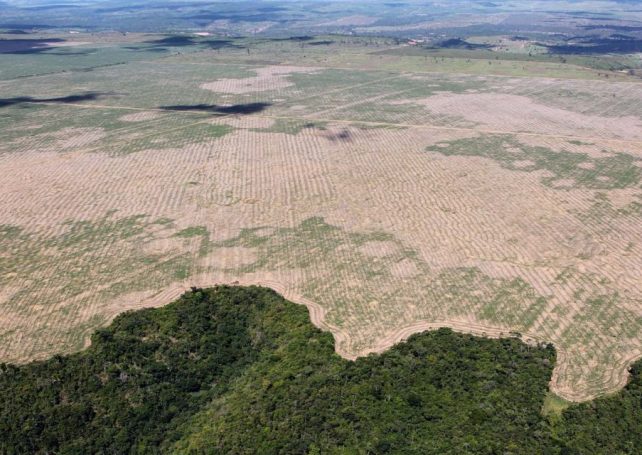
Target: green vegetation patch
x,y
371,283
232,370
608,425
36,127
356,258
616,170
603,210
107,256
197,231
190,132
554,406
65,60
291,126
192,231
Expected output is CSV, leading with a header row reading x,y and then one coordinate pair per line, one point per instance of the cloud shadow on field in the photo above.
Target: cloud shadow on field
x,y
50,46
15,32
240,109
321,43
458,43
614,44
184,41
28,46
91,96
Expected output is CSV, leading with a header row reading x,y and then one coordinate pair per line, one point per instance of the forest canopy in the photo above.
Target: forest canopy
x,y
241,370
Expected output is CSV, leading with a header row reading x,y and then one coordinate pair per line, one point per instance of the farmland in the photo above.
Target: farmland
x,y
389,192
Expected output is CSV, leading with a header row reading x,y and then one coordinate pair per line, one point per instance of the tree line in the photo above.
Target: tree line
x,y
240,370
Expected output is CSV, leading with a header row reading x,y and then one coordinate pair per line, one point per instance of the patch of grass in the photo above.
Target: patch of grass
x,y
368,111
197,231
576,142
451,292
611,172
554,406
291,126
366,126
328,79
107,255
9,232
164,221
603,210
180,273
86,232
192,231
189,133
50,127
81,58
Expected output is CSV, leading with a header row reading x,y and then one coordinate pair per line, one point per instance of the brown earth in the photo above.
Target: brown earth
x,y
377,236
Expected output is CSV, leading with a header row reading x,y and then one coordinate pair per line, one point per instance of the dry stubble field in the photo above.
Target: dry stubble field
x,y
388,201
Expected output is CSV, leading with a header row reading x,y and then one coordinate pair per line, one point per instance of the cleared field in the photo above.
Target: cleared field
x,y
388,201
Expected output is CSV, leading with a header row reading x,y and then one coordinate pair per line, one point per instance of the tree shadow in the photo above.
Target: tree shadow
x,y
237,109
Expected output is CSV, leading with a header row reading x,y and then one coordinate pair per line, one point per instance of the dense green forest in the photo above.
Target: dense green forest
x,y
241,370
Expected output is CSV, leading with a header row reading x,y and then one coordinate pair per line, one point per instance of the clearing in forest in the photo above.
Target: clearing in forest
x,y
389,201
